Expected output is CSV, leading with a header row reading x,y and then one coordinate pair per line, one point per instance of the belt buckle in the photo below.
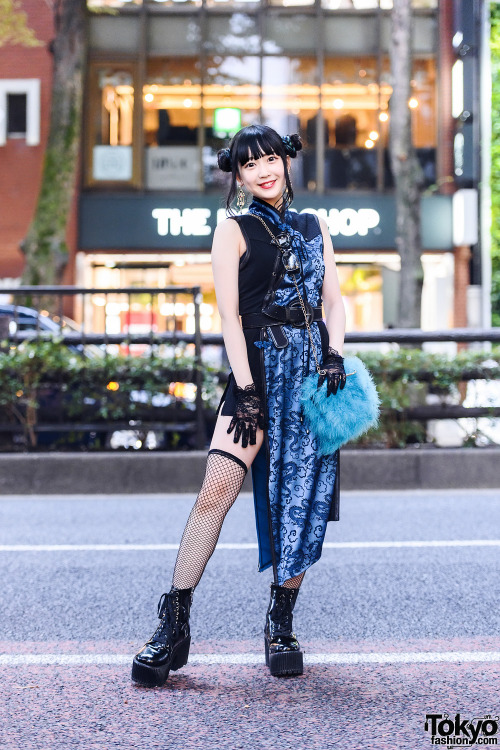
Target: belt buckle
x,y
309,313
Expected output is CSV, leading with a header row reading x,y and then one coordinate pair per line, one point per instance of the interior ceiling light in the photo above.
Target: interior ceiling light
x,y
383,117
369,143
413,103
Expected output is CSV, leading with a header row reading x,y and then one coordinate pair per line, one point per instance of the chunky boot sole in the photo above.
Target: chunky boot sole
x,y
284,664
151,676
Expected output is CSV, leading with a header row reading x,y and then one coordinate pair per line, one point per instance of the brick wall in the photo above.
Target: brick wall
x,y
21,165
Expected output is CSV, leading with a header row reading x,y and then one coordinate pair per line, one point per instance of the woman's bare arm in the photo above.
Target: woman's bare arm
x,y
228,245
332,298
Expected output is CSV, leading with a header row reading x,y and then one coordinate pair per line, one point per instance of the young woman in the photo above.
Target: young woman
x,y
274,268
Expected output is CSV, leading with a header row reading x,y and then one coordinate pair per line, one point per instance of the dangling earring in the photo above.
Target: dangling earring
x,y
241,199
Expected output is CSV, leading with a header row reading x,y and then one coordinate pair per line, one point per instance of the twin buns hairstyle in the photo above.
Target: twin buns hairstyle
x,y
253,142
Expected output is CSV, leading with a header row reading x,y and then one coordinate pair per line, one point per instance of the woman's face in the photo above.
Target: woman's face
x,y
264,178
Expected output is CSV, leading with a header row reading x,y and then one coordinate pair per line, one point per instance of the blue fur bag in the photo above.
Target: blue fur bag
x,y
343,416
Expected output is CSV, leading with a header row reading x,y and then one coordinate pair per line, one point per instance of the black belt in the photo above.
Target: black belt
x,y
281,316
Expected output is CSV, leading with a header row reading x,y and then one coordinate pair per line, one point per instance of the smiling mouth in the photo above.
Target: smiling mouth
x,y
267,185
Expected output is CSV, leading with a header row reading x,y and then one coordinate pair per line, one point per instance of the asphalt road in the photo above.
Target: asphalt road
x,y
398,619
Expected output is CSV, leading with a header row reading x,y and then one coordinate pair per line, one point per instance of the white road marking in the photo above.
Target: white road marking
x,y
411,657
244,545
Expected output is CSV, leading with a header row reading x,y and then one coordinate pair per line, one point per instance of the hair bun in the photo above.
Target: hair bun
x,y
292,144
224,160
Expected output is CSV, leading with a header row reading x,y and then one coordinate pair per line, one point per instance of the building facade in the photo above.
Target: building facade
x,y
169,81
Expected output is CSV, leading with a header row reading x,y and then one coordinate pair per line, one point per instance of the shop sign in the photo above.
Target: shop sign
x,y
190,222
182,222
173,168
112,162
193,222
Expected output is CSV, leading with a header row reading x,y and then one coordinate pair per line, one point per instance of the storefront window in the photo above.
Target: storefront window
x,y
174,4
291,3
237,34
290,104
424,118
110,138
173,35
232,84
114,33
257,67
100,5
361,287
351,99
373,4
287,33
172,102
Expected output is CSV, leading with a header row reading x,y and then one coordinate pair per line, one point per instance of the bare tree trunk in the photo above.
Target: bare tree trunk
x,y
44,246
405,168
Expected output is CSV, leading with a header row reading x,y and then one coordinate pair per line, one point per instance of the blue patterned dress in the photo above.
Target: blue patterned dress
x,y
293,485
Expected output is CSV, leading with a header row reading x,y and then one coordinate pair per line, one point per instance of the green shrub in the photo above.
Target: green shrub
x,y
44,382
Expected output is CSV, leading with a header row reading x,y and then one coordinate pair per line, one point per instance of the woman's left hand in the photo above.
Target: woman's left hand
x,y
335,374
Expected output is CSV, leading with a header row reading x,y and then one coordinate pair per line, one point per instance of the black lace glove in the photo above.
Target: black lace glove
x,y
335,374
248,415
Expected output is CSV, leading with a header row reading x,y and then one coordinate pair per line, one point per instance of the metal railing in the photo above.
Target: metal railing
x,y
168,333
162,304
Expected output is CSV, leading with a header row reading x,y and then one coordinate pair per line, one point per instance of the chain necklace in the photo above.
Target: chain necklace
x,y
291,259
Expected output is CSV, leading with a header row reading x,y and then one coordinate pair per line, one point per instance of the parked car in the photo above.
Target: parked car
x,y
20,319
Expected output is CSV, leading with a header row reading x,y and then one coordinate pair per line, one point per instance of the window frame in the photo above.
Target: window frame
x,y
31,88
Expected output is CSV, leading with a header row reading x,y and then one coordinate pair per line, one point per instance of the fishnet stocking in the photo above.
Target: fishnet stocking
x,y
221,486
294,583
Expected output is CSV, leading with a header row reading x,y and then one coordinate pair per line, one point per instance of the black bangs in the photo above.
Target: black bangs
x,y
254,142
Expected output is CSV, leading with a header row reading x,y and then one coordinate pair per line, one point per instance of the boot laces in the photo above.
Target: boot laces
x,y
168,612
281,613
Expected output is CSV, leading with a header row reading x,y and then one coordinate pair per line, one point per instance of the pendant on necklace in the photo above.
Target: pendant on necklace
x,y
290,262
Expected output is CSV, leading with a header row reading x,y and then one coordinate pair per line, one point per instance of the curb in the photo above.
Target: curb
x,y
143,473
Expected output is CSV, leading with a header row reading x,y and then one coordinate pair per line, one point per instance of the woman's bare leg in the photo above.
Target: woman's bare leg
x,y
227,465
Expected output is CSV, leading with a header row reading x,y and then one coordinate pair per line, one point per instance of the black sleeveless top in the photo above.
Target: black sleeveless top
x,y
255,273
257,262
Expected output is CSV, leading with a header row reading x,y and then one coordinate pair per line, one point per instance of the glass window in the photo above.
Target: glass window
x,y
173,35
237,33
350,100
284,33
112,34
424,36
373,4
345,35
291,3
110,136
223,4
103,5
232,83
290,104
16,115
175,4
172,105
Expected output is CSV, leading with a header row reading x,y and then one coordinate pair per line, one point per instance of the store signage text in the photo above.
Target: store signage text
x,y
188,221
194,221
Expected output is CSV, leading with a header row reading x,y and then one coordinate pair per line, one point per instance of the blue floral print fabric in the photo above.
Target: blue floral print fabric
x,y
301,482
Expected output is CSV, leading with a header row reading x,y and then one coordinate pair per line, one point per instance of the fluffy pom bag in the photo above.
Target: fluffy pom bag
x,y
343,416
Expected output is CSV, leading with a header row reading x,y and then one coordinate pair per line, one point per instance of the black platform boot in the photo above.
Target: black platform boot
x,y
283,654
168,647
